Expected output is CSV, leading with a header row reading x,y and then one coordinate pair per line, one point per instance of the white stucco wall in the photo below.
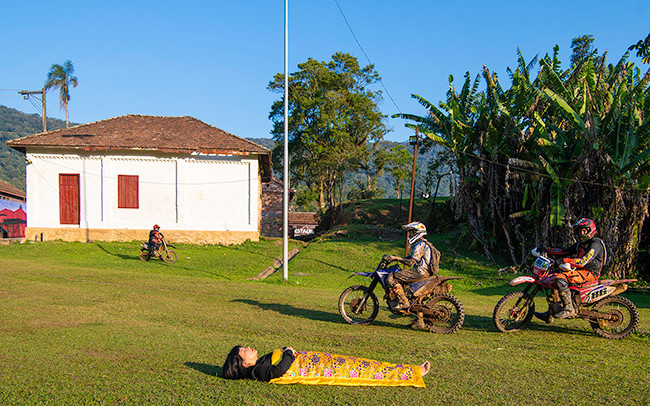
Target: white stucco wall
x,y
217,193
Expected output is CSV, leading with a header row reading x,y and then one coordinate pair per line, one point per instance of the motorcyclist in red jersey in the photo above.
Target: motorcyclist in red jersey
x,y
584,259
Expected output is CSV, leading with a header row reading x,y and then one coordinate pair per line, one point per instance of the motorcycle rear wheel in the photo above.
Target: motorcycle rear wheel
x,y
349,307
511,312
169,257
624,318
144,255
445,314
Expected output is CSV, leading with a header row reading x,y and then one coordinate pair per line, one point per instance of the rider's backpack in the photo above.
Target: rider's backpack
x,y
435,259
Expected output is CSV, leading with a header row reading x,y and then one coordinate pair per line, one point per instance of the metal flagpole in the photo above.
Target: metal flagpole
x,y
285,200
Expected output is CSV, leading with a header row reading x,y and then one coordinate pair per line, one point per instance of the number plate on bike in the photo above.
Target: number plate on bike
x,y
541,265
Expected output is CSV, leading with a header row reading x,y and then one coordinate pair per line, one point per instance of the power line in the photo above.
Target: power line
x,y
364,52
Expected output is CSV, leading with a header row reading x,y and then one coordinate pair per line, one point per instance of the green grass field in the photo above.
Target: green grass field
x,y
92,324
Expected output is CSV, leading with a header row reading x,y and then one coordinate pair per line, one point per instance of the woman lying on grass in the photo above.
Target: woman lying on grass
x,y
316,368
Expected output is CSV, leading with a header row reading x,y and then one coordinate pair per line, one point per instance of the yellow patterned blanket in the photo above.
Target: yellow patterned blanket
x,y
317,368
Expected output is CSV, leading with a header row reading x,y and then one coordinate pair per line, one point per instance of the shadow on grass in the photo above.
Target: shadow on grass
x,y
478,323
310,314
207,369
294,311
483,323
101,247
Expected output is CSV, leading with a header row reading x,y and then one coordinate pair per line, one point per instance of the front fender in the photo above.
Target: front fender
x,y
366,274
521,279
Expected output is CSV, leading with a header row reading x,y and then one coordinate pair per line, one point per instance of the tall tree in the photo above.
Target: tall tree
x,y
583,49
62,77
399,168
332,116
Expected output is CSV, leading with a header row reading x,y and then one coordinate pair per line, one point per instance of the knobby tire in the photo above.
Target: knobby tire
x,y
351,297
512,313
626,318
448,314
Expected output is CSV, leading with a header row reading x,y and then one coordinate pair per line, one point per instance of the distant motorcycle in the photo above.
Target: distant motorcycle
x,y
167,255
429,297
610,315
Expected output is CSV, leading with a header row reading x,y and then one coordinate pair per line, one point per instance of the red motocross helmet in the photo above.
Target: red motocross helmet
x,y
156,227
589,228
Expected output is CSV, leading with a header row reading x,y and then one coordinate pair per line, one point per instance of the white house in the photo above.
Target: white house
x,y
112,180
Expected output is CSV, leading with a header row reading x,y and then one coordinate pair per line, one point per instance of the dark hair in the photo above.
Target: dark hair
x,y
234,367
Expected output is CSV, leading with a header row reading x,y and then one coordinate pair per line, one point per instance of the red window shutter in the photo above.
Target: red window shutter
x,y
127,192
69,198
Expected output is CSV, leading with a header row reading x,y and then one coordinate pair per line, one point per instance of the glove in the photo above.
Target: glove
x,y
388,258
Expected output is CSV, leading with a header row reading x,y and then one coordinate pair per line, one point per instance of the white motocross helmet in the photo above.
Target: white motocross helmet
x,y
414,231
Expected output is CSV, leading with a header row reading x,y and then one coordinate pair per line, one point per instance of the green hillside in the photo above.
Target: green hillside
x,y
15,124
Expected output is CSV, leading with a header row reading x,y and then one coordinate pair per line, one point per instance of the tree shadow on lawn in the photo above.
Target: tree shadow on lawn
x,y
310,314
207,369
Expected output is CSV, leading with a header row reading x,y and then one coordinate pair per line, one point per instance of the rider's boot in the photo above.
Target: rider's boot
x,y
418,323
547,317
401,297
567,301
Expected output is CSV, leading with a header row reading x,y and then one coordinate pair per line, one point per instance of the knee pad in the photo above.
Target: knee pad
x,y
561,284
390,279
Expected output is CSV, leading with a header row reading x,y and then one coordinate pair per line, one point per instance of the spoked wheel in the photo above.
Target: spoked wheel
x,y
169,256
622,318
144,255
443,314
354,309
513,312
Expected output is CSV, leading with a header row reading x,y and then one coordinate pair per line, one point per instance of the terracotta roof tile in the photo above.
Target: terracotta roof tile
x,y
296,217
169,134
8,188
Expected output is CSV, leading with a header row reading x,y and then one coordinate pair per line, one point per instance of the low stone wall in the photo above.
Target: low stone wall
x,y
172,236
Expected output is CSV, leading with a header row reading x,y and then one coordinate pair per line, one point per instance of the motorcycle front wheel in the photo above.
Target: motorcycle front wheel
x,y
169,256
622,321
512,312
353,309
144,255
444,314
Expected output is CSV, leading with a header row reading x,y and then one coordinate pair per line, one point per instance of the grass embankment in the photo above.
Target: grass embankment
x,y
91,324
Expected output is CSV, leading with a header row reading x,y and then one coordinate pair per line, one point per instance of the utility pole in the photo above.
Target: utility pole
x,y
42,92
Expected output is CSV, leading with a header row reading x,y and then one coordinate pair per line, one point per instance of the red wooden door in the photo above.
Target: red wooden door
x,y
69,198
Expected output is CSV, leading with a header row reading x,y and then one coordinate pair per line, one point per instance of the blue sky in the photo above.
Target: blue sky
x,y
213,59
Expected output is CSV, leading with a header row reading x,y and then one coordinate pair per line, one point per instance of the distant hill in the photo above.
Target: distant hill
x,y
15,124
265,142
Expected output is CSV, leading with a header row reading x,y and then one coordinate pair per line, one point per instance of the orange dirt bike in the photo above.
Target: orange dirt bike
x,y
610,315
429,299
167,255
